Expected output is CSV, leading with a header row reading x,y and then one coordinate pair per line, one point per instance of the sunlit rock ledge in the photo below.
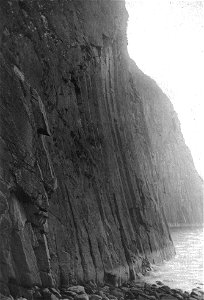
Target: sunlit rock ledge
x,y
91,150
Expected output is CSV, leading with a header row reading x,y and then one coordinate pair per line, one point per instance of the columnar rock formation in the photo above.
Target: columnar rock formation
x,y
179,186
90,149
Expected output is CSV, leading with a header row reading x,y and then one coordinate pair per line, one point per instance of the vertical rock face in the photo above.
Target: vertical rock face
x,y
179,186
83,174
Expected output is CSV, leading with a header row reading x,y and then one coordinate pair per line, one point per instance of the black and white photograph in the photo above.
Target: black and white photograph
x,y
101,149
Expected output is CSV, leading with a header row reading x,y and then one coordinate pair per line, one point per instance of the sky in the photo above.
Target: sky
x,y
166,40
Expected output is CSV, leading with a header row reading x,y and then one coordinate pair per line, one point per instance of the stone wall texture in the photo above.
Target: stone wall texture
x,y
91,152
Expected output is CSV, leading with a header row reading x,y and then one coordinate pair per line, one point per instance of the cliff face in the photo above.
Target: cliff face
x,y
83,168
179,186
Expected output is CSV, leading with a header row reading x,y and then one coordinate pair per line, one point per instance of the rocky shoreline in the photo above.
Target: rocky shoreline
x,y
128,291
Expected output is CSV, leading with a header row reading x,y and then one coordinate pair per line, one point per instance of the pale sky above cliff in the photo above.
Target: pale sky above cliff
x,y
166,40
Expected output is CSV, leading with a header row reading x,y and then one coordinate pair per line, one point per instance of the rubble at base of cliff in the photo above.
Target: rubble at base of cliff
x,y
128,291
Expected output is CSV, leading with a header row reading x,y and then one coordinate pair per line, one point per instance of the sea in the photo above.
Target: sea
x,y
185,270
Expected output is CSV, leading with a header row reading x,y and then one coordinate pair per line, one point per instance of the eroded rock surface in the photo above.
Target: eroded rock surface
x,y
178,184
81,165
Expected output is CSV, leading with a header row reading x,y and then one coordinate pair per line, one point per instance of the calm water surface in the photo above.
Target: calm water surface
x,y
185,270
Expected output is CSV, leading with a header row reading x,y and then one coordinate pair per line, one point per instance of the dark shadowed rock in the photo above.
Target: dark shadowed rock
x,y
167,297
81,297
95,297
78,289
